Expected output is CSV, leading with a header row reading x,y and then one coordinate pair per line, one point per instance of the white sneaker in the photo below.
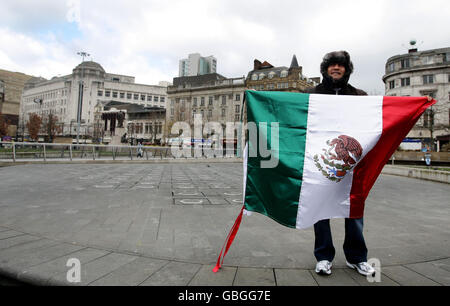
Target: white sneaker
x,y
363,268
323,267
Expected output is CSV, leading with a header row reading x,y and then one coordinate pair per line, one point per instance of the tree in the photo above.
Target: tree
x,y
4,124
51,126
34,126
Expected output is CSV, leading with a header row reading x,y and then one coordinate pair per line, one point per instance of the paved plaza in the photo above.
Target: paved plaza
x,y
165,223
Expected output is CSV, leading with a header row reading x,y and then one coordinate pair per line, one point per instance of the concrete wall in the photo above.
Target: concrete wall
x,y
423,174
418,156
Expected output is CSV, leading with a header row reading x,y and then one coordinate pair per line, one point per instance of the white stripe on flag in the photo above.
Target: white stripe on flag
x,y
328,118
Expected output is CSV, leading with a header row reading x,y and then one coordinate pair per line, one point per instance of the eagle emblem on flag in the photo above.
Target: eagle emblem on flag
x,y
341,156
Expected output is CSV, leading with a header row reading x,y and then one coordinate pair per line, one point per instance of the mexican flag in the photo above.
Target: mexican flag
x,y
311,157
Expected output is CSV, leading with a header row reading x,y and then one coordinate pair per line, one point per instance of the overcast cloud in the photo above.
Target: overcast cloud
x,y
146,39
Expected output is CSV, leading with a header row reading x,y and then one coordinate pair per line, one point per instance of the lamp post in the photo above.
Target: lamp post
x,y
80,95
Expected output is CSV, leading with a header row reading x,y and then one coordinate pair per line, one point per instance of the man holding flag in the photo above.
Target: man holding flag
x,y
336,69
314,156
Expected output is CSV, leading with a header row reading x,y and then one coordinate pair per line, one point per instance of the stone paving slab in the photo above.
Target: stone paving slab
x,y
173,274
139,232
408,277
95,269
131,274
254,277
294,277
42,273
433,271
205,276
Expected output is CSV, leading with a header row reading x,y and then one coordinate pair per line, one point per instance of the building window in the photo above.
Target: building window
x,y
254,77
405,63
261,76
447,57
391,67
427,118
209,113
428,79
100,93
149,98
271,74
128,96
284,73
238,108
142,97
195,101
162,99
391,84
223,112
122,95
428,60
202,101
155,98
210,100
236,117
238,97
194,111
114,94
405,82
224,100
107,93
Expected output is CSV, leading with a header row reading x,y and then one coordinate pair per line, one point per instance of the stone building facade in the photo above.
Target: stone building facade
x,y
264,76
420,73
11,88
60,96
213,96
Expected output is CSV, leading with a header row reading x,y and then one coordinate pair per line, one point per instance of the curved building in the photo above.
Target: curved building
x,y
420,73
90,84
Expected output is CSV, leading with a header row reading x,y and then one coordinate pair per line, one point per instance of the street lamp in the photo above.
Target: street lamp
x,y
80,95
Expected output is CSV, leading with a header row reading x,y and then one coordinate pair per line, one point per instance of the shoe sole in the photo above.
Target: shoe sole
x,y
352,266
323,272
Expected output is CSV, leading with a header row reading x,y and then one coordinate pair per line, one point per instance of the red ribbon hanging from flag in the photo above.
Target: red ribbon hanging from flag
x,y
229,240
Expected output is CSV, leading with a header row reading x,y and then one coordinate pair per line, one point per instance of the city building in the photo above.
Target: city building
x,y
264,76
11,87
213,96
130,123
423,73
60,96
195,64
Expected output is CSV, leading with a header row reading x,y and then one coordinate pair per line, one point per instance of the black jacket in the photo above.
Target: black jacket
x,y
327,89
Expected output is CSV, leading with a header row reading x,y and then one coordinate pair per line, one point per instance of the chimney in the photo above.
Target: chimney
x,y
256,64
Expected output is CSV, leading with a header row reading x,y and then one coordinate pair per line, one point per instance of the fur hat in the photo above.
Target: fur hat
x,y
337,57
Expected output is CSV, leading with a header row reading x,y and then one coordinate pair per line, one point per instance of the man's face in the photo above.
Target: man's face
x,y
336,71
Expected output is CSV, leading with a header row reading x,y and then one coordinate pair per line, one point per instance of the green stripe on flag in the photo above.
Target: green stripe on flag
x,y
275,192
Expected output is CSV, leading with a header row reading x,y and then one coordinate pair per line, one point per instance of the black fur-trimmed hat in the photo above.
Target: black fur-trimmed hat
x,y
337,57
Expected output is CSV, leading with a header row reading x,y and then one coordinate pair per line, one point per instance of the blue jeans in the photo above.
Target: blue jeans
x,y
355,249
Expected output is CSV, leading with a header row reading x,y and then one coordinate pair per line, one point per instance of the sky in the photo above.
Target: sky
x,y
146,39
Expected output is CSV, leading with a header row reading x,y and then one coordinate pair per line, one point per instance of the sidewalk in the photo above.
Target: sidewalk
x,y
164,224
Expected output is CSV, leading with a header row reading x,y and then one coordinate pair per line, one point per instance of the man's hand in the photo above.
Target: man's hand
x,y
429,98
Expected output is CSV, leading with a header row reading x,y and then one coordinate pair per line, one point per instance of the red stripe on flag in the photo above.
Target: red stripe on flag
x,y
231,235
399,116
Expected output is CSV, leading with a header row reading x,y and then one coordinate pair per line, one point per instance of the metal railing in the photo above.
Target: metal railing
x,y
30,151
